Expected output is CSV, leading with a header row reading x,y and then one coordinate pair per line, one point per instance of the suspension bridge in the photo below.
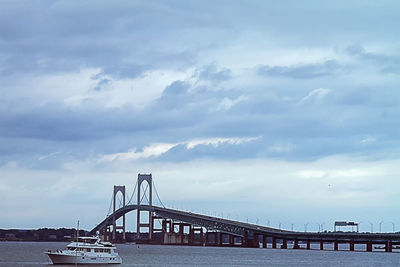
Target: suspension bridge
x,y
187,228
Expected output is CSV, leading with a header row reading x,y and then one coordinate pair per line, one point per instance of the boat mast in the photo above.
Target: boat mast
x,y
77,244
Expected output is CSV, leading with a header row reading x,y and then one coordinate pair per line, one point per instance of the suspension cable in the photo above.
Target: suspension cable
x,y
120,201
111,202
144,194
158,197
133,193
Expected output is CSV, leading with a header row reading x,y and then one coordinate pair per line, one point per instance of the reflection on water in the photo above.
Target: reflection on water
x,y
31,254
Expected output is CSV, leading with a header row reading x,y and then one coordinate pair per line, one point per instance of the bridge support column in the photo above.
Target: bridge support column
x,y
220,239
170,227
107,233
369,246
264,241
256,241
308,244
284,243
164,231
159,230
388,246
231,240
245,239
181,235
148,224
335,245
296,244
351,245
201,236
192,236
182,238
273,242
321,245
114,224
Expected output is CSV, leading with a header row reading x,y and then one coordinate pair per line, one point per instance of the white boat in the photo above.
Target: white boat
x,y
86,250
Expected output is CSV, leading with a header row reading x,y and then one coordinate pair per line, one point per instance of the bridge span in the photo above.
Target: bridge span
x,y
188,228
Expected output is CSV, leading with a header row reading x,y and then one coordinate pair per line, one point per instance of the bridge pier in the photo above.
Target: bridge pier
x,y
296,244
255,241
211,236
170,237
321,245
106,233
284,243
192,236
351,245
264,241
273,242
245,239
157,230
308,244
335,245
369,246
388,246
231,240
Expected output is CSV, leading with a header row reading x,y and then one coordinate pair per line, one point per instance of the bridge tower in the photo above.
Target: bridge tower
x,y
149,223
114,223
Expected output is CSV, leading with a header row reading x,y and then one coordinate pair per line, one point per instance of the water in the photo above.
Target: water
x,y
15,254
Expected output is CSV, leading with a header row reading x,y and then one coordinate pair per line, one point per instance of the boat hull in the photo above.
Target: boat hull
x,y
60,258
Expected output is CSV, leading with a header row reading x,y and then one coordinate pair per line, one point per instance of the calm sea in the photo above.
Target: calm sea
x,y
31,254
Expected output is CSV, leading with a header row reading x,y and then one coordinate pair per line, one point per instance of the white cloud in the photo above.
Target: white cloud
x,y
368,140
309,174
315,95
218,141
153,150
227,103
157,149
281,147
49,155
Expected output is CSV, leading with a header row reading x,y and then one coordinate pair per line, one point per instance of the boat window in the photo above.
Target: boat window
x,y
88,250
102,250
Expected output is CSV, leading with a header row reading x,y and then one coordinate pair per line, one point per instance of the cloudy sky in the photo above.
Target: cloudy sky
x,y
270,111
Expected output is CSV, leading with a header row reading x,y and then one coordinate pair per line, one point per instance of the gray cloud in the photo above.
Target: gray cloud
x,y
211,72
386,63
113,37
120,40
83,80
306,71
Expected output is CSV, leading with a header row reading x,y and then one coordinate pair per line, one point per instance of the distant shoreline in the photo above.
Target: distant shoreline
x,y
52,235
40,235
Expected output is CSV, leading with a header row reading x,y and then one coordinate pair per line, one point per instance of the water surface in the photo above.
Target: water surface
x,y
23,254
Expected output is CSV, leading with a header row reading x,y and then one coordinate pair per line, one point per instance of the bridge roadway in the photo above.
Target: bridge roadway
x,y
241,229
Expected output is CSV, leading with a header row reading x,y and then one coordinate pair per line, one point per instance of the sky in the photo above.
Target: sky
x,y
271,112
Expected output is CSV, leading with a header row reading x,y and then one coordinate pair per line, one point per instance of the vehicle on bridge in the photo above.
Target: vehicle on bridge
x,y
86,250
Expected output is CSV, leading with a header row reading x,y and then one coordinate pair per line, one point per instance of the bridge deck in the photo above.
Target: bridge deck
x,y
240,228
